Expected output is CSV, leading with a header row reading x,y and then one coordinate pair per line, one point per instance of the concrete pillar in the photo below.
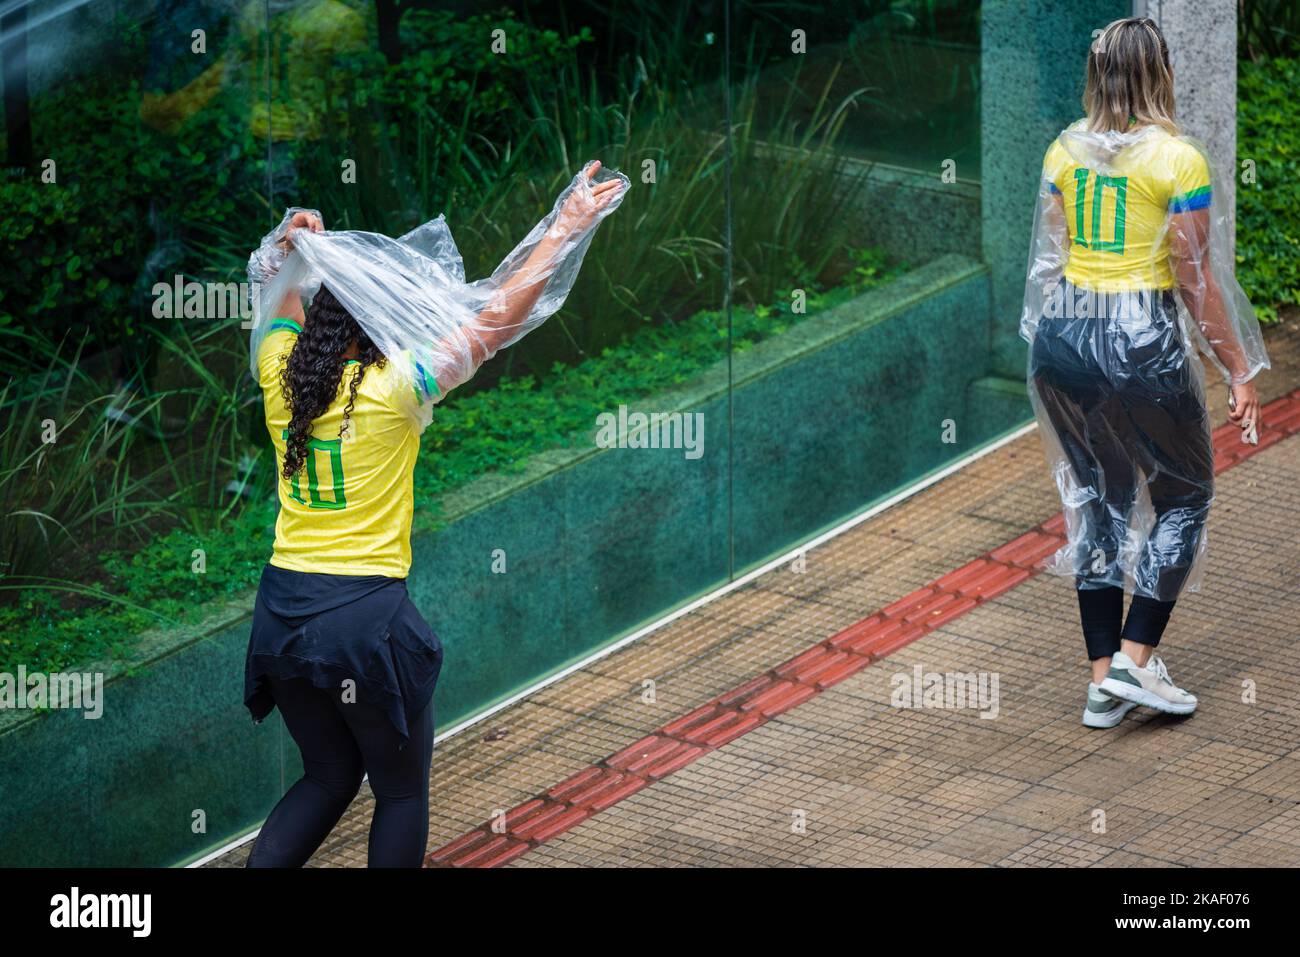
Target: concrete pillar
x,y
1202,38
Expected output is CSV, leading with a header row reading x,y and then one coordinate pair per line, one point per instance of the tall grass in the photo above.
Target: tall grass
x,y
1268,28
659,259
190,460
210,460
793,188
68,474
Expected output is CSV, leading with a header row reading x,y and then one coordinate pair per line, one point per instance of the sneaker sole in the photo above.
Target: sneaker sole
x,y
1107,719
1139,695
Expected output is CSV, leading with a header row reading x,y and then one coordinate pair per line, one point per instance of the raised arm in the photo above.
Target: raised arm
x,y
502,318
410,295
290,307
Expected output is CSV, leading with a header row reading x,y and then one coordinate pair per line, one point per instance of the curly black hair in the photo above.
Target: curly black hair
x,y
310,379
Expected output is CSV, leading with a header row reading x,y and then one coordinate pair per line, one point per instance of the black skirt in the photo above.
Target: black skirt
x,y
332,628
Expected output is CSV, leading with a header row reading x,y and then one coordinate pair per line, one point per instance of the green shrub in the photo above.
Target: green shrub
x,y
1268,210
83,252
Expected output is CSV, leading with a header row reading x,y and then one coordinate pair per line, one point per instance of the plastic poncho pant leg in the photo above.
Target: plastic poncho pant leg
x,y
1124,400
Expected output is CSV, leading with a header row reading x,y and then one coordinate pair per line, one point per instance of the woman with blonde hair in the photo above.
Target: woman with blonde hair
x,y
1129,271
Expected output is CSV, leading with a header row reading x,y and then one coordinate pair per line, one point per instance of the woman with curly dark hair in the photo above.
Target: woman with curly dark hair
x,y
336,642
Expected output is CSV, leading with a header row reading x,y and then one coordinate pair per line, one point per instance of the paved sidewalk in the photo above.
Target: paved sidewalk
x,y
771,740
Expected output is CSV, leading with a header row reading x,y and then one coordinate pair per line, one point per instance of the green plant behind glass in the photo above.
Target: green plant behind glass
x,y
68,475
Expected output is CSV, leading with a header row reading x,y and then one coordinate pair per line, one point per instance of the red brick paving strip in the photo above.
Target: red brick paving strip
x,y
789,685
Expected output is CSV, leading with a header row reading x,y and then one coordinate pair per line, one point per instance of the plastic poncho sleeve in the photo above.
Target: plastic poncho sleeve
x,y
1198,234
1049,246
410,295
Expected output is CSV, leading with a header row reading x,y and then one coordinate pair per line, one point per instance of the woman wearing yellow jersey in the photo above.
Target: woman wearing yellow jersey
x,y
348,386
1130,269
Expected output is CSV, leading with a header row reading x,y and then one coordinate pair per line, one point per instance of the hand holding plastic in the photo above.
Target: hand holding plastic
x,y
410,295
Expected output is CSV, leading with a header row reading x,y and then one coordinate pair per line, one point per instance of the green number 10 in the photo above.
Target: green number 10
x,y
1120,184
334,447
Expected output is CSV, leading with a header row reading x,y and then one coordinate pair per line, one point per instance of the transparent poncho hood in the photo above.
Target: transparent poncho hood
x,y
1098,151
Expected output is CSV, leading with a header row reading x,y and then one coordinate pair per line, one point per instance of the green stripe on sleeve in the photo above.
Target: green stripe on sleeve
x,y
428,381
1193,199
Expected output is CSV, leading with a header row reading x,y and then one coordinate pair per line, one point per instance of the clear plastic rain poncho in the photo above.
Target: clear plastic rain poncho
x,y
410,294
1130,272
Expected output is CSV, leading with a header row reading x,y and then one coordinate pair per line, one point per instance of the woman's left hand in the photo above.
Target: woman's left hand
x,y
1244,410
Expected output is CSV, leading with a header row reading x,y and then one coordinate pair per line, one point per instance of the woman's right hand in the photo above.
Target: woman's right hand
x,y
582,206
301,220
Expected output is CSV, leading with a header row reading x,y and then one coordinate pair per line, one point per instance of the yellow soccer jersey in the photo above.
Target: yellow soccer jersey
x,y
348,510
1117,220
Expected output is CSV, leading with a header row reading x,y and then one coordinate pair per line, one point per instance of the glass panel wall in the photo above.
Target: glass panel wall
x,y
549,518
910,69
134,182
803,304
856,147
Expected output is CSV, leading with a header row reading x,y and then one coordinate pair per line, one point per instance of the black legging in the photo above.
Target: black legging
x,y
339,743
1101,611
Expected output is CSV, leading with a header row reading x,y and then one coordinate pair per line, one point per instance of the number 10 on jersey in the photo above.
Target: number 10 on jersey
x,y
332,447
1085,179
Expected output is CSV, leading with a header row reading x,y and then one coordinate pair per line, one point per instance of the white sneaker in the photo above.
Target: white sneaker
x,y
1149,686
1103,711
